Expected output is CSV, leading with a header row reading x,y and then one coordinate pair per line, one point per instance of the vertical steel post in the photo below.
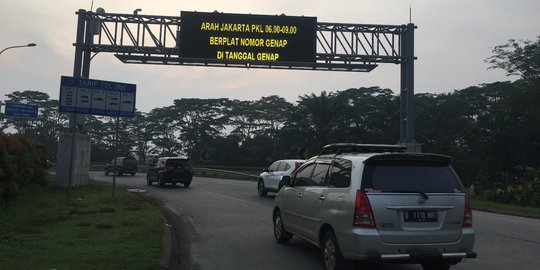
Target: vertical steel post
x,y
411,115
403,91
407,110
88,41
115,155
77,67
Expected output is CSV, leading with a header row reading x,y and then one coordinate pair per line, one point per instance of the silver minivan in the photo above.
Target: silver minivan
x,y
377,203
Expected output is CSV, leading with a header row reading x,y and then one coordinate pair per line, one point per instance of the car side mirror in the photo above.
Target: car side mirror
x,y
265,169
285,180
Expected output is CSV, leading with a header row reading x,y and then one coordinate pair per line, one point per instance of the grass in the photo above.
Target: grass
x,y
41,230
533,212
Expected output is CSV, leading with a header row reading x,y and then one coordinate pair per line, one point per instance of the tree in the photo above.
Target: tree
x,y
47,127
164,128
273,112
520,58
317,117
244,118
199,120
140,134
369,115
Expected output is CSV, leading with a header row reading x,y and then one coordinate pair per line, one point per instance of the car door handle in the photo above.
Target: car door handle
x,y
322,197
300,195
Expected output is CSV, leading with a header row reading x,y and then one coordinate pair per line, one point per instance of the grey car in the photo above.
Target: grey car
x,y
377,203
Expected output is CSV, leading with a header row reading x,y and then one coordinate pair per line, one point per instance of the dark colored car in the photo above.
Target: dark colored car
x,y
124,165
170,170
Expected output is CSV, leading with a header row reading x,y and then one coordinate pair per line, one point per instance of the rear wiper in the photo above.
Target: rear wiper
x,y
423,194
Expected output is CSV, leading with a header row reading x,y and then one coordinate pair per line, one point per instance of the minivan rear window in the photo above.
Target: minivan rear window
x,y
410,176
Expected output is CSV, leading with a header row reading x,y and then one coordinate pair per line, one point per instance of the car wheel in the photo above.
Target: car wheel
x,y
281,235
161,181
331,254
436,265
260,188
148,180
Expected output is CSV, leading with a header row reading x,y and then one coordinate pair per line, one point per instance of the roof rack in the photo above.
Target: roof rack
x,y
336,148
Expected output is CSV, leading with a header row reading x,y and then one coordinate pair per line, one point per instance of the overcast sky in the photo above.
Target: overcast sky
x,y
451,42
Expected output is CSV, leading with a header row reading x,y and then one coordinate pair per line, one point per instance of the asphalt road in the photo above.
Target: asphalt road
x,y
228,226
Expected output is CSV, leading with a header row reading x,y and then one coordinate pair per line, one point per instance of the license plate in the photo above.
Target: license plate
x,y
420,216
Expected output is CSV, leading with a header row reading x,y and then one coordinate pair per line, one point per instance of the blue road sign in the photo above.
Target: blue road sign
x,y
21,110
86,96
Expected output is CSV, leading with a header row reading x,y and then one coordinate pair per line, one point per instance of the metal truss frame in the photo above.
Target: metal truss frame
x,y
149,39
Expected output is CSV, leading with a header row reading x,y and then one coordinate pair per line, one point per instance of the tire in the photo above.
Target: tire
x,y
282,236
186,184
331,253
161,181
436,265
260,188
148,180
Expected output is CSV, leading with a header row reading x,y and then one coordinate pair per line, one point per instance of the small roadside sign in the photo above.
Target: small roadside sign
x,y
21,110
87,96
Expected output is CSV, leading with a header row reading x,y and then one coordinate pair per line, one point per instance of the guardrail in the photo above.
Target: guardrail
x,y
220,171
203,171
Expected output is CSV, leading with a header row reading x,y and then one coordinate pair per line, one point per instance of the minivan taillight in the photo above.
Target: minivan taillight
x,y
168,168
363,216
188,168
467,216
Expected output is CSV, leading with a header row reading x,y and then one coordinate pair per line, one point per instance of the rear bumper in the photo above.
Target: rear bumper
x,y
418,257
177,178
366,244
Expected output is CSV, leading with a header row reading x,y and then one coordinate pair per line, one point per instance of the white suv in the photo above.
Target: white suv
x,y
269,179
377,203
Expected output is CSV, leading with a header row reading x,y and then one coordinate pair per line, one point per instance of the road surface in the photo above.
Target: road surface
x,y
230,227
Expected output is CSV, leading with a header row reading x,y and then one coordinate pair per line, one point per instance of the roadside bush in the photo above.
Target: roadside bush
x,y
523,190
22,161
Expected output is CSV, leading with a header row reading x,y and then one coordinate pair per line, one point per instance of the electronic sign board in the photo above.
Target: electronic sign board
x,y
226,37
87,96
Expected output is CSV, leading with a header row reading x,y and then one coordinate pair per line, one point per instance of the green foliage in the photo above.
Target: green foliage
x,y
489,129
22,161
46,128
520,58
524,189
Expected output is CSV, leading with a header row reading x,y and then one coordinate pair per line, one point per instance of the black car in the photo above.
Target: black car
x,y
124,165
170,170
